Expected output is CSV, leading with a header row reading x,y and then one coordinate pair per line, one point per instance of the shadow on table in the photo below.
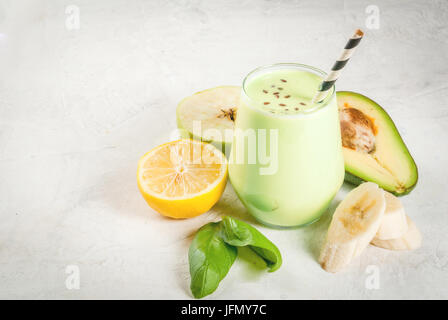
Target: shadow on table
x,y
230,205
314,234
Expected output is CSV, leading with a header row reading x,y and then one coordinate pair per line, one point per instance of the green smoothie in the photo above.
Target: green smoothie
x,y
286,162
283,91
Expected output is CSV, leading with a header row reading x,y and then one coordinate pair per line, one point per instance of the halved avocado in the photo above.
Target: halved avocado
x,y
373,149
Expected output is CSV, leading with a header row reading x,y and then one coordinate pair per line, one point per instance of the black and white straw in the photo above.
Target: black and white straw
x,y
328,83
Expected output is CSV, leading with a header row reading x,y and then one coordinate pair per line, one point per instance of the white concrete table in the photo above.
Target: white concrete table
x,y
82,100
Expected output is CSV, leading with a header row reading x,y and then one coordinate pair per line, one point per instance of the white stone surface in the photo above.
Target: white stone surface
x,y
79,107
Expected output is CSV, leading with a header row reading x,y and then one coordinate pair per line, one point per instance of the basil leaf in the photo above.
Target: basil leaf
x,y
240,234
210,259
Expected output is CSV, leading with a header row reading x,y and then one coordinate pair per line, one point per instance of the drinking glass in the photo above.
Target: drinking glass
x,y
286,167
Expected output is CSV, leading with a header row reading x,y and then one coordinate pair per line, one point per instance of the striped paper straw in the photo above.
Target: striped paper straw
x,y
328,83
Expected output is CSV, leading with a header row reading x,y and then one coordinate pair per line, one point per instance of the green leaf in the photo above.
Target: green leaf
x,y
210,259
240,234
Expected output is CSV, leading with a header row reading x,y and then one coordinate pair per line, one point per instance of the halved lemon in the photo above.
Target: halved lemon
x,y
182,179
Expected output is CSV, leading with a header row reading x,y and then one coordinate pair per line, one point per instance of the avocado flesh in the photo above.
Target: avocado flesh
x,y
390,164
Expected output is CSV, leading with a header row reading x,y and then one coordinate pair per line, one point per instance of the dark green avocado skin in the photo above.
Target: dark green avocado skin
x,y
352,179
356,181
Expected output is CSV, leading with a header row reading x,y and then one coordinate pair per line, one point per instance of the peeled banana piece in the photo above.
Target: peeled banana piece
x,y
411,240
394,223
353,226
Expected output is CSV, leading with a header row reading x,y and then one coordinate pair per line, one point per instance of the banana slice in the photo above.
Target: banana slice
x,y
411,240
354,224
393,224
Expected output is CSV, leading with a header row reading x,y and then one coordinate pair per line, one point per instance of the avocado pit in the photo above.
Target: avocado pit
x,y
357,130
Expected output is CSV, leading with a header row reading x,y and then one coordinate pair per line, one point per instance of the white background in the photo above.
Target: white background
x,y
79,107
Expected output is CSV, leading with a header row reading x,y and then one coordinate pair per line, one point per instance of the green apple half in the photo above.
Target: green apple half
x,y
209,115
